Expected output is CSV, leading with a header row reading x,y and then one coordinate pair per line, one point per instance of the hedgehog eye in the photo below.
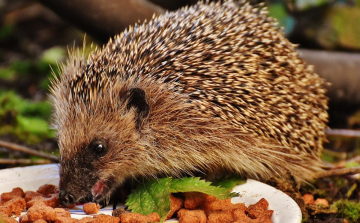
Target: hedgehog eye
x,y
97,147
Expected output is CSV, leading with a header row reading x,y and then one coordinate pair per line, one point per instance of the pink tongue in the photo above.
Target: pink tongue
x,y
97,189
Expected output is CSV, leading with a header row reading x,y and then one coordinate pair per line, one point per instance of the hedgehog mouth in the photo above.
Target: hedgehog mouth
x,y
100,193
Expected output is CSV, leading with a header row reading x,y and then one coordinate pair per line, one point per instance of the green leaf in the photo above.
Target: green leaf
x,y
229,183
153,196
191,184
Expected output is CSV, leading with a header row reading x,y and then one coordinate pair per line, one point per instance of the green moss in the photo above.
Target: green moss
x,y
348,209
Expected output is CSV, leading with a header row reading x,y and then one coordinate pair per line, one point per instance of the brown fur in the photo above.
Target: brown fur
x,y
226,92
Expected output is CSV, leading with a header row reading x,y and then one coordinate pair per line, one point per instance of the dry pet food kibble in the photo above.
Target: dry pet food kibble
x,y
191,207
91,208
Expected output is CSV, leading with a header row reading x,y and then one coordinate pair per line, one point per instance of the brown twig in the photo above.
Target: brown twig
x,y
343,132
24,161
341,69
24,149
339,172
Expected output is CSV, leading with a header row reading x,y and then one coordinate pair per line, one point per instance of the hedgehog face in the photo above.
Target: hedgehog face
x,y
99,147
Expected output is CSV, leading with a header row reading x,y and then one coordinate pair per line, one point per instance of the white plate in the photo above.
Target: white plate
x,y
31,178
285,208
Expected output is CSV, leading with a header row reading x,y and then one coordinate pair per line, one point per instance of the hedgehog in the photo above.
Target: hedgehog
x,y
211,89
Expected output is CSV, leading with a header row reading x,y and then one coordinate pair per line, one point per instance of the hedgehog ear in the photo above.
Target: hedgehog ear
x,y
136,98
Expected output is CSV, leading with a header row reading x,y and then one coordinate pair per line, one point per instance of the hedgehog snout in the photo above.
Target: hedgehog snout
x,y
67,198
75,182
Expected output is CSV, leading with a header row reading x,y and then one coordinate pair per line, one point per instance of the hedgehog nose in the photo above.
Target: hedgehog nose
x,y
66,198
